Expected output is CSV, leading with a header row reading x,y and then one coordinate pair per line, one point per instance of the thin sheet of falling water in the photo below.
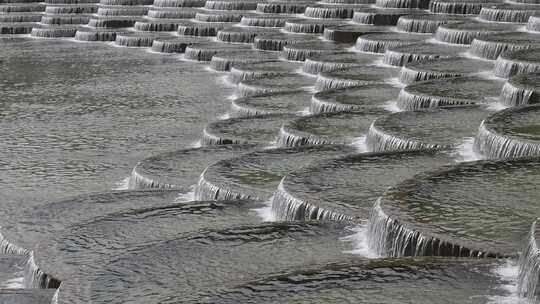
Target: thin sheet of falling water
x,y
265,213
121,185
359,241
465,151
359,143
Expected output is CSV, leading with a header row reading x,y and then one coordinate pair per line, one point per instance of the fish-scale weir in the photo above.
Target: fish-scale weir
x,y
355,111
510,133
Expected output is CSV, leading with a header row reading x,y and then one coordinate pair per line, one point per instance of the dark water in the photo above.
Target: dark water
x,y
81,115
247,151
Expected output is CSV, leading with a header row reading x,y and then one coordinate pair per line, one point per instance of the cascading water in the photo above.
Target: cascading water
x,y
34,277
518,62
286,207
389,237
494,145
521,90
529,266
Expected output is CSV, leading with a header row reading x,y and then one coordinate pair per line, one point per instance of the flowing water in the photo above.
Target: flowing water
x,y
252,151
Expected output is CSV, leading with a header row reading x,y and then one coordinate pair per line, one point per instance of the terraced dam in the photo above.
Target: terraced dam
x,y
269,151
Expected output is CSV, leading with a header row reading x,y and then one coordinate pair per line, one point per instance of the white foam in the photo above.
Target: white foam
x,y
232,97
465,151
301,72
508,276
265,213
226,81
489,75
391,106
310,89
304,112
495,105
121,185
196,144
15,283
379,62
395,82
186,197
359,242
359,143
224,116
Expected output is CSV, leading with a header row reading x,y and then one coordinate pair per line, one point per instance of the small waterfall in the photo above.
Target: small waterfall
x,y
219,17
112,2
397,58
206,191
418,25
529,266
34,277
18,18
231,5
22,8
246,90
492,49
314,67
285,7
115,11
95,35
287,138
116,22
159,26
379,141
327,82
139,181
269,44
199,54
423,4
514,14
409,75
19,28
457,36
286,207
6,247
376,45
179,3
495,146
456,8
234,36
318,106
376,18
410,102
200,29
76,9
65,19
302,26
209,139
171,13
221,64
389,237
343,33
331,12
53,32
170,45
240,111
293,53
239,75
507,67
512,95
139,40
262,21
